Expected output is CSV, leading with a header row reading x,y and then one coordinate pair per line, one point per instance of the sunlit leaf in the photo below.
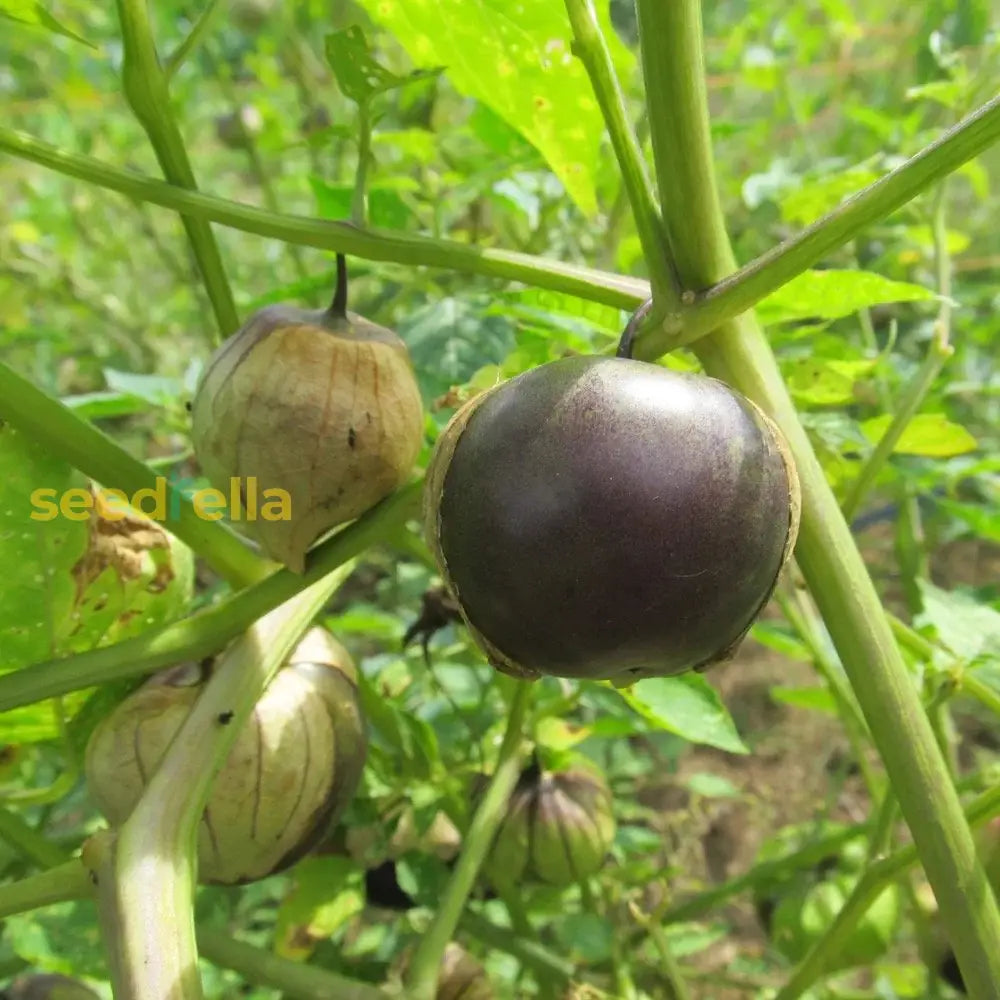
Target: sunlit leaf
x,y
930,434
515,58
36,14
834,293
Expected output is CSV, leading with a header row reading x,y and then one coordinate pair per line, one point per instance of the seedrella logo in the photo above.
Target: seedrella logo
x,y
164,501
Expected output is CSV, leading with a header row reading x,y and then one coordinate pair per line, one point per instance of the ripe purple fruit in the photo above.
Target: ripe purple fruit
x,y
609,519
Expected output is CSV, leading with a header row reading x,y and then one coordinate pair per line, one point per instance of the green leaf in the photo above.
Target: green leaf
x,y
984,521
159,390
816,699
966,626
586,936
38,550
385,206
712,786
33,13
517,61
835,293
818,382
328,892
932,435
63,938
359,75
688,706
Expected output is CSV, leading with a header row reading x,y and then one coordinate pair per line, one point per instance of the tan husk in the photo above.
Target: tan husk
x,y
323,407
294,766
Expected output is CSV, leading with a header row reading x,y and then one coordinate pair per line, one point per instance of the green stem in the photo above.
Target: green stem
x,y
421,978
26,840
885,820
194,37
739,354
370,244
208,631
62,883
983,693
913,396
146,89
146,875
592,50
359,197
877,877
763,873
728,295
542,962
294,980
57,429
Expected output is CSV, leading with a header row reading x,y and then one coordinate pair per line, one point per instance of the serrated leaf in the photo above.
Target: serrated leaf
x,y
966,626
932,435
517,61
834,293
359,75
688,706
328,892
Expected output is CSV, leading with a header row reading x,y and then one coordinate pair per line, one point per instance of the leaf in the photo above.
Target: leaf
x,y
932,435
712,786
966,626
33,13
816,699
825,382
160,390
328,892
833,293
984,521
359,75
515,59
385,206
63,938
688,706
38,549
95,405
586,936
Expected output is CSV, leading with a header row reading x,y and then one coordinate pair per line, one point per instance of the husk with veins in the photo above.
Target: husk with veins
x,y
559,828
295,764
324,408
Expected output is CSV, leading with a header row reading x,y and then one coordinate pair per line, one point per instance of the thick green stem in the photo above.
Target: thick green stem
x,y
738,353
67,881
422,975
359,197
148,94
730,294
146,875
57,429
876,879
342,237
294,980
592,50
208,631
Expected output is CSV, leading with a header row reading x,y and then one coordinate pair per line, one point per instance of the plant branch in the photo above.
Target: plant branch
x,y
147,91
370,244
592,50
208,631
422,975
729,294
294,980
543,962
56,428
738,353
67,881
194,37
876,879
359,197
146,873
26,840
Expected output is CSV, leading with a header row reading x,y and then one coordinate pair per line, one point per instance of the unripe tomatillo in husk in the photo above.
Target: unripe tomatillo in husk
x,y
295,764
558,828
611,519
462,977
312,416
